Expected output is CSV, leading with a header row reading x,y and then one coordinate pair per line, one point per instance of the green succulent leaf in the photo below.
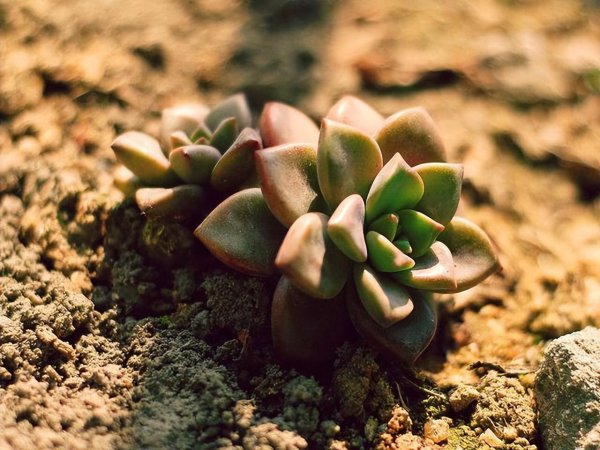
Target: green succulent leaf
x,y
126,181
420,230
194,163
307,331
184,118
142,154
227,235
443,183
397,186
202,132
225,134
385,300
413,134
356,113
403,245
385,256
177,203
235,107
403,341
347,162
237,163
283,124
473,253
434,271
345,228
288,178
179,139
387,225
310,259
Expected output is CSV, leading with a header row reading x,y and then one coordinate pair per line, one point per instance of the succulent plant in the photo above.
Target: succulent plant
x,y
369,206
203,152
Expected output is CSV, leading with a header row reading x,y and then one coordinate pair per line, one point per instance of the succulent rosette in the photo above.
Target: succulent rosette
x,y
358,216
200,152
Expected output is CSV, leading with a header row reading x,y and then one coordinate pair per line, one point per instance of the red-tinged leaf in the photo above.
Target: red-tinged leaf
x,y
194,163
413,134
310,259
347,162
288,178
345,228
307,331
474,256
434,271
443,183
237,164
283,124
404,341
243,234
356,113
386,301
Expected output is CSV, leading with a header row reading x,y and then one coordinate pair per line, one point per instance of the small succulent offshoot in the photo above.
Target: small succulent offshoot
x,y
361,212
203,152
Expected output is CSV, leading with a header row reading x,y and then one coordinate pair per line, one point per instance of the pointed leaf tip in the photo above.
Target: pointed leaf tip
x,y
194,163
236,107
310,259
413,134
385,256
142,154
283,124
227,235
356,113
347,162
225,134
420,230
288,179
443,184
474,256
434,271
237,164
397,186
345,227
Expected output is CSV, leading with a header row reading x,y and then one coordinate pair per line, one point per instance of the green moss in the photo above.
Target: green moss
x,y
462,438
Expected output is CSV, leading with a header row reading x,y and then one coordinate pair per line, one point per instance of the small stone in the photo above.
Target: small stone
x,y
488,437
437,430
462,397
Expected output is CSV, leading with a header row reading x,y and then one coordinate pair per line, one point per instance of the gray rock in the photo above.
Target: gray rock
x,y
568,392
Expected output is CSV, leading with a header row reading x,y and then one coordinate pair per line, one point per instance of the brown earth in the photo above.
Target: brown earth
x,y
120,333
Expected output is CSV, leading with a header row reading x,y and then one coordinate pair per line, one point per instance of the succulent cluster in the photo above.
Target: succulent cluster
x,y
203,151
358,217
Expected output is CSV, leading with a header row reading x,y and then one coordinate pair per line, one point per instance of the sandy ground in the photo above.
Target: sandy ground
x,y
121,333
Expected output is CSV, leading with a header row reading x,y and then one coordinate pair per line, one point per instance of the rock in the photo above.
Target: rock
x,y
568,391
489,438
437,430
462,397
